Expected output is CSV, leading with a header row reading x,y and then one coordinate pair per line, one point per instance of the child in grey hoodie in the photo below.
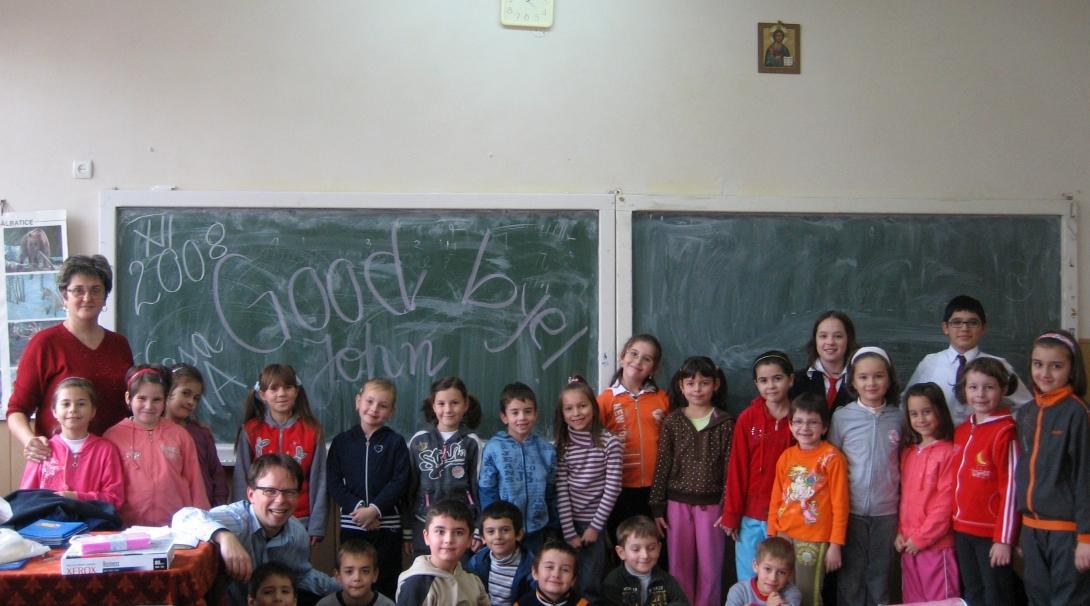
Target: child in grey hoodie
x,y
868,431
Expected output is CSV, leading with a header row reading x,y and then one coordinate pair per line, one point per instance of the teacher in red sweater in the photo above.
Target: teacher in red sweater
x,y
77,347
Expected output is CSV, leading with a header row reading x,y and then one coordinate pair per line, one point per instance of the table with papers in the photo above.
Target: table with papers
x,y
40,583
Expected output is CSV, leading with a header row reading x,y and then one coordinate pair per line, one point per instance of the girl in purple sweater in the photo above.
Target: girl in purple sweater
x,y
186,389
588,481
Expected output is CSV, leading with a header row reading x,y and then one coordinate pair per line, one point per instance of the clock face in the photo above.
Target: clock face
x,y
526,13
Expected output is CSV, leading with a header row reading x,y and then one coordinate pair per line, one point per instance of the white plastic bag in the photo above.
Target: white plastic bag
x,y
13,547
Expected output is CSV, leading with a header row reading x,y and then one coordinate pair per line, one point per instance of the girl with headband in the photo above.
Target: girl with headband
x,y
158,458
868,431
761,434
1053,473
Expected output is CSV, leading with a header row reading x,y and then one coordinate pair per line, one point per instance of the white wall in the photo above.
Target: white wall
x,y
974,99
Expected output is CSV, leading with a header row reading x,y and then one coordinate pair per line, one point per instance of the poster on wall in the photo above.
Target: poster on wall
x,y
35,245
779,48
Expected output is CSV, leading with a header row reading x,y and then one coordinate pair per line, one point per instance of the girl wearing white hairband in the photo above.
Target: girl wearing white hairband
x,y
868,432
1053,474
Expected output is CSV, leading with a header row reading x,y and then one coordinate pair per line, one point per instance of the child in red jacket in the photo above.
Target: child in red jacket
x,y
761,434
985,519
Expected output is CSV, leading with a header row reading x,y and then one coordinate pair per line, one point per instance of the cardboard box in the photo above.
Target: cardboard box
x,y
157,556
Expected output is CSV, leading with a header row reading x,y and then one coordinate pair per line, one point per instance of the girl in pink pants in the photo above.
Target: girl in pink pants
x,y
929,569
685,496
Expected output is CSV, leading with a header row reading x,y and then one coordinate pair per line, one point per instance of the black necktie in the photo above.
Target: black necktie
x,y
960,372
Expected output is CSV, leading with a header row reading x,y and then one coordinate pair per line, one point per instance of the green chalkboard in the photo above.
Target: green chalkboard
x,y
733,285
344,295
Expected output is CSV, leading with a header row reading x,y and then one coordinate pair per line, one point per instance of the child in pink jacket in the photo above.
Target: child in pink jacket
x,y
80,465
158,458
929,570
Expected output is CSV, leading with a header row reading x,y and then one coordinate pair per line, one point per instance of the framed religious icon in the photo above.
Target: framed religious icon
x,y
778,48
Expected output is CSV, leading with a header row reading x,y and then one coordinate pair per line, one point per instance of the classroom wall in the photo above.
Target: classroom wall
x,y
976,99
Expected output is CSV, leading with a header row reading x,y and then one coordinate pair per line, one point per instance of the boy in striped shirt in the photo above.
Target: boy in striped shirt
x,y
503,564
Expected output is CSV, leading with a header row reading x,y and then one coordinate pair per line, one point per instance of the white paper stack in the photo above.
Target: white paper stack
x,y
156,556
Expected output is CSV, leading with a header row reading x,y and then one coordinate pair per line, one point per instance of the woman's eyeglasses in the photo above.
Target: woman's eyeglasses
x,y
80,292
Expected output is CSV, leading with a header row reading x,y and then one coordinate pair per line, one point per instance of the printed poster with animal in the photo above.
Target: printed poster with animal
x,y
35,245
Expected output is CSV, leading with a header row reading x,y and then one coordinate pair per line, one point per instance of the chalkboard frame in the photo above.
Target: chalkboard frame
x,y
630,204
615,215
111,203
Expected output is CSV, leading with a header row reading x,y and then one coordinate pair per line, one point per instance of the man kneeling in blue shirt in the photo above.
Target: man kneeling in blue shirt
x,y
260,529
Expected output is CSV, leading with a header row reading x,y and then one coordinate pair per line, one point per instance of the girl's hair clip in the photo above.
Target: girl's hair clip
x,y
257,386
576,379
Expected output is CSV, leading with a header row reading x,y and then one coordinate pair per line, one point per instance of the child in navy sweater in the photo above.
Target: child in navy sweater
x,y
368,476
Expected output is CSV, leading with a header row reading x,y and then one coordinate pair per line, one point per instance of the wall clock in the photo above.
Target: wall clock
x,y
527,13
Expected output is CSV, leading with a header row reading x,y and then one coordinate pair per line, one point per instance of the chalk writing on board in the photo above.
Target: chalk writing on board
x,y
385,303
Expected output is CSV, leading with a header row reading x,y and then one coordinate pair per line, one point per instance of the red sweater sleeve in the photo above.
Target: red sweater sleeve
x,y
737,478
28,393
1006,460
776,500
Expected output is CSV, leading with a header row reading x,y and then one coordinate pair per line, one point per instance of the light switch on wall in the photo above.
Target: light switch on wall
x,y
83,169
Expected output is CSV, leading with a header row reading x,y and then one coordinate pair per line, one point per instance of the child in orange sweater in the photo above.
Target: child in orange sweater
x,y
810,500
633,409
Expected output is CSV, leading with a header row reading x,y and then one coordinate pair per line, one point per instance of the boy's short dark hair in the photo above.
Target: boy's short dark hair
x,y
516,391
270,569
636,526
557,545
810,402
777,548
503,509
274,459
964,303
451,508
357,547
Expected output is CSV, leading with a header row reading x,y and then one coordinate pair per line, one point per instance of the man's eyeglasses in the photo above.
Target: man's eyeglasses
x,y
969,323
271,492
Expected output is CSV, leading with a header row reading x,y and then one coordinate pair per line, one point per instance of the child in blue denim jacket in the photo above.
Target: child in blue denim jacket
x,y
520,467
